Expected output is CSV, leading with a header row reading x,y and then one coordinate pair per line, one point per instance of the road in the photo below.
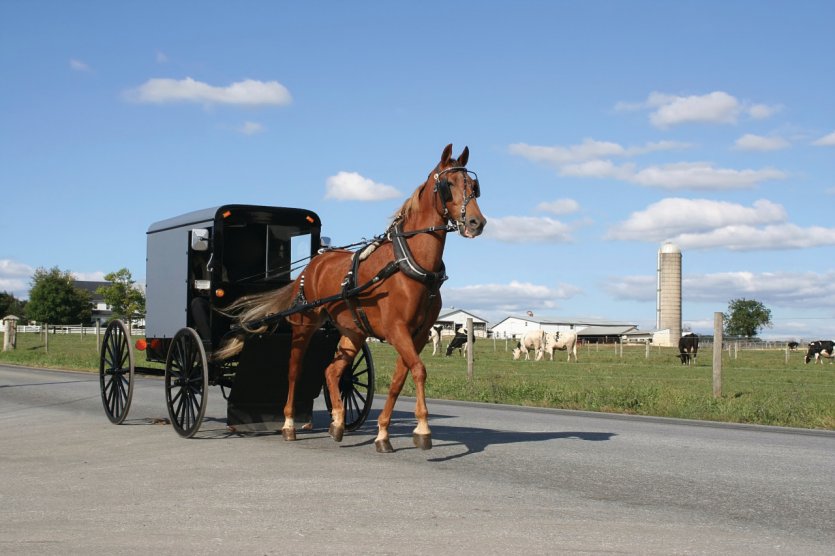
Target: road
x,y
499,480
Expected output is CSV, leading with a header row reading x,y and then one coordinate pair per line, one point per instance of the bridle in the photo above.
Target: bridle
x,y
444,193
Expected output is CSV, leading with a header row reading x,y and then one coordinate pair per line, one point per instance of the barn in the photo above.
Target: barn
x,y
587,329
450,319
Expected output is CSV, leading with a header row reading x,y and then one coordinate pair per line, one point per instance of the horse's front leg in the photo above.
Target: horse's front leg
x,y
398,379
421,436
298,346
346,351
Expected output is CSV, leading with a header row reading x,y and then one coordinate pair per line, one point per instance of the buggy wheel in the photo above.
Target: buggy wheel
x,y
116,369
186,382
357,389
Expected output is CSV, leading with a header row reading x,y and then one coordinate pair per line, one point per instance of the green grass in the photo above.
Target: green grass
x,y
758,386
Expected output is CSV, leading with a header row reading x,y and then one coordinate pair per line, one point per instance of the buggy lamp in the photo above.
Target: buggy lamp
x,y
219,292
310,219
141,344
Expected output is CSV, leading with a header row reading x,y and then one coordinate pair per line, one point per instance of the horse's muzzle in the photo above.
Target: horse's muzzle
x,y
472,226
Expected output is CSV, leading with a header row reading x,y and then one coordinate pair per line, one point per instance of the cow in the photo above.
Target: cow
x,y
793,346
459,342
688,348
820,349
435,338
565,341
533,340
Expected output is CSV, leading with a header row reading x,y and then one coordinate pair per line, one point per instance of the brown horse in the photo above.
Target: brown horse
x,y
403,273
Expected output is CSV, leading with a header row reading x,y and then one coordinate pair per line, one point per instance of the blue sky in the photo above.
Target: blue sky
x,y
598,130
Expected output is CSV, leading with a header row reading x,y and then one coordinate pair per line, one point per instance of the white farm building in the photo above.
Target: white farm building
x,y
589,330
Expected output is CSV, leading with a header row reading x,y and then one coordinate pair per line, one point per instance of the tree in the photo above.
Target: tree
x,y
745,317
122,295
54,298
10,305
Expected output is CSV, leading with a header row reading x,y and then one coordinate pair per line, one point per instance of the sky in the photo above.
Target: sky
x,y
598,129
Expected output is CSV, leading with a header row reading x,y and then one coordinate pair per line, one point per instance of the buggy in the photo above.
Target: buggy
x,y
198,264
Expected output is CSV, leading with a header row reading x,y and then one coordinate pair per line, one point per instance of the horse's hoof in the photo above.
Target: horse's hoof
x,y
336,432
422,441
383,446
307,427
288,434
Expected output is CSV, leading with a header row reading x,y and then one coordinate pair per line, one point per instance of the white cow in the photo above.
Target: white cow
x,y
533,340
435,338
563,341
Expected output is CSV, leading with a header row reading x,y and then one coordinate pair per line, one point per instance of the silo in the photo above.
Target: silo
x,y
668,306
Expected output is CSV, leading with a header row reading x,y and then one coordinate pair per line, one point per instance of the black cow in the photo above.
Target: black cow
x,y
793,345
688,348
459,342
819,349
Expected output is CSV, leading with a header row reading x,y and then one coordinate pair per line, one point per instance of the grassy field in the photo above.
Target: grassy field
x,y
759,386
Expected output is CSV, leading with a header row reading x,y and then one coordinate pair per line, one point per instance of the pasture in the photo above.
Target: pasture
x,y
758,386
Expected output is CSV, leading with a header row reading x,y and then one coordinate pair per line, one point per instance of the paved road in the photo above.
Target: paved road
x,y
500,480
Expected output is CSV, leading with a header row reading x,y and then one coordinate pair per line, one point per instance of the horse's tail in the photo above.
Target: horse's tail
x,y
250,309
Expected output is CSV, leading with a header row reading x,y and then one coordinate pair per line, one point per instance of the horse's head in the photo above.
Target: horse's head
x,y
457,190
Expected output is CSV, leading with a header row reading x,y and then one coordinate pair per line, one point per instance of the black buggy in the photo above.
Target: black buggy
x,y
198,264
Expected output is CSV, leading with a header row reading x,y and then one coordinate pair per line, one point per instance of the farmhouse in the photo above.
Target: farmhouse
x,y
101,311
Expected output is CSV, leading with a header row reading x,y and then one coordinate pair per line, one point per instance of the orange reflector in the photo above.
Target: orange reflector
x,y
156,344
310,219
227,214
141,344
219,292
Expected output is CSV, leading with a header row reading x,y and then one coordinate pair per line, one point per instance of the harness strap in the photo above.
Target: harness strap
x,y
406,261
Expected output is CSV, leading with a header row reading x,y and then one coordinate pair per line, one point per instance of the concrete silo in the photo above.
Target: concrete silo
x,y
668,306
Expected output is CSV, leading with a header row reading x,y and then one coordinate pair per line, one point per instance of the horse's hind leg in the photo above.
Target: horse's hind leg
x,y
346,352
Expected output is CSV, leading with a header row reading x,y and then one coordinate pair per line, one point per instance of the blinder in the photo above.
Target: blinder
x,y
442,186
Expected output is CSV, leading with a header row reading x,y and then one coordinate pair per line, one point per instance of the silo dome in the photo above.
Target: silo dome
x,y
669,247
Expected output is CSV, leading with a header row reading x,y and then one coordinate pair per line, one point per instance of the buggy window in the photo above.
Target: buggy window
x,y
256,252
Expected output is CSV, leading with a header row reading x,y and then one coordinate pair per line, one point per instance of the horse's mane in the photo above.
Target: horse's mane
x,y
411,204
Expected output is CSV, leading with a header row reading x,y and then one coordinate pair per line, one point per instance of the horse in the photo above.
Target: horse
x,y
565,341
403,272
533,340
435,338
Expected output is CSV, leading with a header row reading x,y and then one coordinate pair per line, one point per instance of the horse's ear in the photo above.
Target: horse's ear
x,y
464,156
445,156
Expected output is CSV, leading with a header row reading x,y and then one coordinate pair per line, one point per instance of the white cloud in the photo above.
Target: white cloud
x,y
750,238
706,224
350,186
808,290
162,57
95,276
589,149
78,65
250,128
560,206
825,141
15,278
508,298
599,169
717,107
523,229
586,160
674,216
751,142
702,175
245,93
762,111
